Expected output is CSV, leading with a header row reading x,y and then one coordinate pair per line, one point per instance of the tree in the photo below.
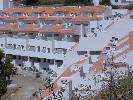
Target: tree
x,y
78,2
121,88
6,69
30,2
3,82
52,2
105,2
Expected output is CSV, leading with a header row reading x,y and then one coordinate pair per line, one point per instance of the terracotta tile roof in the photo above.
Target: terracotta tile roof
x,y
15,28
32,28
38,10
55,18
61,9
131,40
23,10
29,28
122,53
52,18
85,18
95,9
9,27
27,18
8,18
57,29
51,10
48,10
8,11
67,31
54,29
122,45
98,66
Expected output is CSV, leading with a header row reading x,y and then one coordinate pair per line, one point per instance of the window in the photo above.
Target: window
x,y
38,59
38,47
31,34
68,35
44,49
14,46
19,57
95,52
86,25
14,56
51,61
48,50
1,45
22,46
44,68
56,35
44,60
25,58
48,60
116,0
81,52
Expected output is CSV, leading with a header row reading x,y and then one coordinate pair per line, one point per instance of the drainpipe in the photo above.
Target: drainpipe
x,y
97,23
27,42
70,90
5,40
53,43
81,32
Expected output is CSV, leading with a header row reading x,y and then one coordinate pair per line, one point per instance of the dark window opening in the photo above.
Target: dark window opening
x,y
95,52
81,52
45,68
38,48
1,45
38,59
48,50
14,56
19,57
44,59
48,60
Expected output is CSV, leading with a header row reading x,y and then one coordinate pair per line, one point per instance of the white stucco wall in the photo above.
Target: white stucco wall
x,y
5,4
121,11
93,24
1,4
96,2
120,2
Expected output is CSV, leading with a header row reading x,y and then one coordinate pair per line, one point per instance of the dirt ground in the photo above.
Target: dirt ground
x,y
26,86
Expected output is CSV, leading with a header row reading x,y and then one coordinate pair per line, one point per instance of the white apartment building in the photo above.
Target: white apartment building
x,y
66,40
115,2
42,36
121,2
5,4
